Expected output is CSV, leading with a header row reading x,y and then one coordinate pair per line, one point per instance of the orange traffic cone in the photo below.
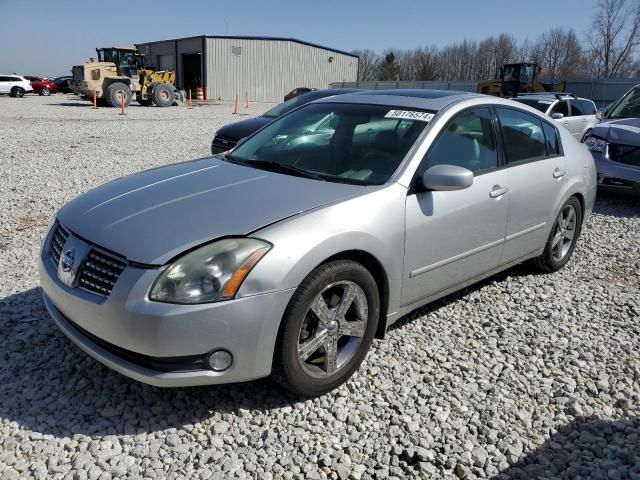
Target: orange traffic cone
x,y
199,93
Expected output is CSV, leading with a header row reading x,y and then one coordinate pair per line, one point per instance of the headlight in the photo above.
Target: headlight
x,y
596,144
210,273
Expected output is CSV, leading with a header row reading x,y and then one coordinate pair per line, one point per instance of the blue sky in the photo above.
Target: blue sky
x,y
48,37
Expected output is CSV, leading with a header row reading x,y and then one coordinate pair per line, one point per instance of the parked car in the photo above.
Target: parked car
x,y
578,115
287,257
63,84
228,136
615,144
42,86
297,91
14,85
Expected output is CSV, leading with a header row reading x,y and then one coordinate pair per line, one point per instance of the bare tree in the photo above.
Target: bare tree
x,y
615,35
368,64
558,53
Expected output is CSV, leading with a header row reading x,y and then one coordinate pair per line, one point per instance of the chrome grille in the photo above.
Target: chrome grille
x,y
99,272
78,73
224,143
58,240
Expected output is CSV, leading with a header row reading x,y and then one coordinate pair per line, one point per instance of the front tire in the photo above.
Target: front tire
x,y
562,239
163,95
17,92
115,92
45,91
327,328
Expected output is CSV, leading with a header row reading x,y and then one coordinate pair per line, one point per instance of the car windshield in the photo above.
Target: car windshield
x,y
628,106
542,105
338,142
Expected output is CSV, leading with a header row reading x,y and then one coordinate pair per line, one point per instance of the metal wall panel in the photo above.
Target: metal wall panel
x,y
152,51
266,70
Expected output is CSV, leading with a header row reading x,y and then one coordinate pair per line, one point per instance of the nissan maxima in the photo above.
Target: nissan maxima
x,y
288,255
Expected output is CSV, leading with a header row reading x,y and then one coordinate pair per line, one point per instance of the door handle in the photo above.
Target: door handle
x,y
497,191
557,173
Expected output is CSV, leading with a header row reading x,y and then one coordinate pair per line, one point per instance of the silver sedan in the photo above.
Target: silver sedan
x,y
290,254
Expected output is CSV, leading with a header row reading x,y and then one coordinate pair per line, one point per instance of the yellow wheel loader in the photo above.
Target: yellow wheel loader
x,y
120,74
515,78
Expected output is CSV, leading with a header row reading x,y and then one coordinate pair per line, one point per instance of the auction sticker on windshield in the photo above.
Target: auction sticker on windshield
x,y
410,115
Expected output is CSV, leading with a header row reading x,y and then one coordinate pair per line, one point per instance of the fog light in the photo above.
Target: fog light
x,y
220,360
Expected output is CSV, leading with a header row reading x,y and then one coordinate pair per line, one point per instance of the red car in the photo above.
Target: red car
x,y
42,86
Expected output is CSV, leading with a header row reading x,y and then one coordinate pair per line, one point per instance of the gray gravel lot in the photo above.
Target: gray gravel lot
x,y
522,376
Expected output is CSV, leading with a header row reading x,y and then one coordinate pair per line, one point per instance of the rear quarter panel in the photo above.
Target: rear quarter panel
x,y
581,171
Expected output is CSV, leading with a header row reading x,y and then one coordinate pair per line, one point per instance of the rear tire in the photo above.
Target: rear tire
x,y
17,92
562,239
163,95
45,91
114,94
327,328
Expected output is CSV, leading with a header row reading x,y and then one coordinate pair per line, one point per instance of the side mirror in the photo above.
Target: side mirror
x,y
601,114
447,177
557,116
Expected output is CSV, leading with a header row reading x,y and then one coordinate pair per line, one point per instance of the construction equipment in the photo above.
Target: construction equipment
x,y
121,72
514,78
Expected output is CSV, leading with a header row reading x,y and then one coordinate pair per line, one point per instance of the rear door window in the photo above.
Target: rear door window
x,y
587,107
576,108
551,138
522,134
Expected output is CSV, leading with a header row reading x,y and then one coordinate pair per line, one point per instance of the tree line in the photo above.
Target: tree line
x,y
608,50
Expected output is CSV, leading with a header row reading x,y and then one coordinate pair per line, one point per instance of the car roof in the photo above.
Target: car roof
x,y
416,98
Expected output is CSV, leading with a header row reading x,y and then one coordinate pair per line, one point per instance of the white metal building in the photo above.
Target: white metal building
x,y
264,68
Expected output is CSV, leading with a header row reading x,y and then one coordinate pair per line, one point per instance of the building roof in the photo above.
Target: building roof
x,y
251,37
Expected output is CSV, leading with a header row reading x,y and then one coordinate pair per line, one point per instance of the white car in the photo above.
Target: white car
x,y
14,85
578,115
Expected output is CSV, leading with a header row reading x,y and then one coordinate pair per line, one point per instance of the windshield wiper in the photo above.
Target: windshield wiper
x,y
282,168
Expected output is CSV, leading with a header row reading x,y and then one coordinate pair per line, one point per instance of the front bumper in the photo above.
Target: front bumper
x,y
616,176
145,340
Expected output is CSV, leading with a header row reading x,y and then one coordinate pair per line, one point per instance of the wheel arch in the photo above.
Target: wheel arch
x,y
375,267
110,80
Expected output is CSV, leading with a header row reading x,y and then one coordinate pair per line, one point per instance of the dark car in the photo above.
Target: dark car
x,y
297,91
42,86
228,136
63,84
615,144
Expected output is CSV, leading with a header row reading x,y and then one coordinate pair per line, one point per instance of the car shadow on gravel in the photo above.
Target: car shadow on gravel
x,y
585,448
50,386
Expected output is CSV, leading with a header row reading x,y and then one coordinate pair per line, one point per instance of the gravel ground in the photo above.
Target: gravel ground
x,y
522,376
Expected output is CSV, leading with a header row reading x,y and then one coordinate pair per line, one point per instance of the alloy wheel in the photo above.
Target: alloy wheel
x,y
332,329
564,233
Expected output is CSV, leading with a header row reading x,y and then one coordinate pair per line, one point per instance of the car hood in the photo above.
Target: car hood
x,y
244,128
151,217
622,132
